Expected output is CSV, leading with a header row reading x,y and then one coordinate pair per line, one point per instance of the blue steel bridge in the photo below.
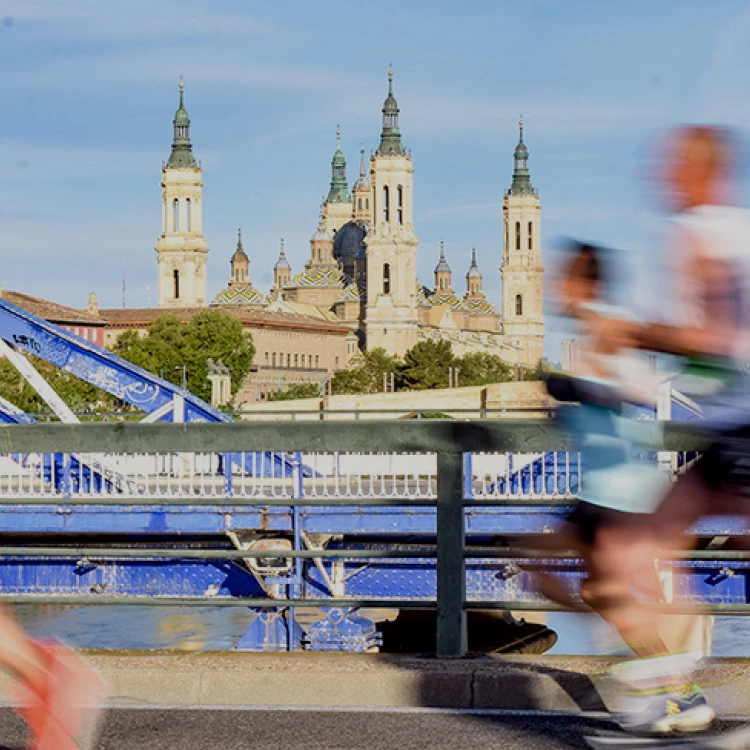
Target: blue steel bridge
x,y
345,517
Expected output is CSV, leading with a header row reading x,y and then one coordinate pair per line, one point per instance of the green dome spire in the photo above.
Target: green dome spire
x,y
339,192
521,178
182,148
390,137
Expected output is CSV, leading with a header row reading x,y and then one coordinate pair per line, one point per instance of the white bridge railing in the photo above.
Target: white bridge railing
x,y
252,475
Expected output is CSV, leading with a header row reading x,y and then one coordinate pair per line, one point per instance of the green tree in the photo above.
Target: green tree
x,y
479,368
426,365
366,373
378,363
171,345
353,380
295,391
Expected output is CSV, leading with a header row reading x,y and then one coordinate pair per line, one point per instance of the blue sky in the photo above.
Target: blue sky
x,y
89,90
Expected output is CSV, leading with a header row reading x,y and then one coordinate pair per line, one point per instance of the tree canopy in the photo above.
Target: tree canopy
x,y
479,368
295,391
366,373
171,345
426,365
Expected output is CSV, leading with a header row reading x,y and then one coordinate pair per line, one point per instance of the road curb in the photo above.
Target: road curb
x,y
153,679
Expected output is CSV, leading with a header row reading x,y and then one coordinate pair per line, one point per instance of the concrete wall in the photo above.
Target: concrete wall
x,y
471,401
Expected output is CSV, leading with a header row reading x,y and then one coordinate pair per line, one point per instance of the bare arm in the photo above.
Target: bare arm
x,y
707,285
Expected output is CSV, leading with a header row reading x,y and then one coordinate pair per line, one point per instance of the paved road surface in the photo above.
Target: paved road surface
x,y
324,730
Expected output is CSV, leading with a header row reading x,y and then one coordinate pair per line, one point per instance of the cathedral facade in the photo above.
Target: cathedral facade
x,y
362,264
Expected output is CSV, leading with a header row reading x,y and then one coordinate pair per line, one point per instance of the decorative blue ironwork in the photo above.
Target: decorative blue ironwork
x,y
116,376
343,630
272,631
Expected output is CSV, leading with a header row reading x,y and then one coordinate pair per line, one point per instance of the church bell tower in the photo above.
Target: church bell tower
x,y
181,250
522,269
391,313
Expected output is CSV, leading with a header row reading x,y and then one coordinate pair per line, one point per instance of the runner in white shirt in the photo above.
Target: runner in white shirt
x,y
710,260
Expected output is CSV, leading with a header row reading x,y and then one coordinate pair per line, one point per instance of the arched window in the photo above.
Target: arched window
x,y
387,278
386,206
188,216
400,204
176,215
519,304
518,235
359,203
530,236
367,204
176,276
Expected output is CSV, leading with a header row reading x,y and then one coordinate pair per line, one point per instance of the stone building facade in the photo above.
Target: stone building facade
x,y
289,348
362,266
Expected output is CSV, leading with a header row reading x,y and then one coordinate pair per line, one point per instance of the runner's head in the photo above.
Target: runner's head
x,y
582,277
699,166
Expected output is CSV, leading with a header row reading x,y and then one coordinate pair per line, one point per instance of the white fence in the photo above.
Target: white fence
x,y
255,475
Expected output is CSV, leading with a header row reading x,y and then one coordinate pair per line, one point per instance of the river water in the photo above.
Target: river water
x,y
218,629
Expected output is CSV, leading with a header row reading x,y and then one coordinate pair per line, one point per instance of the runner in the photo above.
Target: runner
x,y
710,260
56,692
618,492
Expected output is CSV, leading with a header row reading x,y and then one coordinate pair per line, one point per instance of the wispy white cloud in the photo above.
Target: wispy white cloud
x,y
582,213
134,20
549,116
31,162
351,98
40,161
469,211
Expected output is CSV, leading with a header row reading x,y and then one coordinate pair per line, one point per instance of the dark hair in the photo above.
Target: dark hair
x,y
586,262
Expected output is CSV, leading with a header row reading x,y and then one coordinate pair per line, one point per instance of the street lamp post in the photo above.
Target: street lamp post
x,y
184,375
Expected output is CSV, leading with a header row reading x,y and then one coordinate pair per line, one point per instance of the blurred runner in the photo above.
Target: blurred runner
x,y
56,692
709,257
618,494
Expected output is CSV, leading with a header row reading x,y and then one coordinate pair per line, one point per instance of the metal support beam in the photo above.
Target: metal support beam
x,y
452,640
159,413
38,383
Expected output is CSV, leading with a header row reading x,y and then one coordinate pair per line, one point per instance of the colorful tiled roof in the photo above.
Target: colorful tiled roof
x,y
319,278
351,293
239,295
449,300
421,295
479,307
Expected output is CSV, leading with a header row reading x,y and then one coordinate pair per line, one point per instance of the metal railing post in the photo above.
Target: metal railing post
x,y
451,570
298,491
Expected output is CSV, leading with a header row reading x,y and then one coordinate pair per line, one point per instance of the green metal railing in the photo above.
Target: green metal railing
x,y
448,439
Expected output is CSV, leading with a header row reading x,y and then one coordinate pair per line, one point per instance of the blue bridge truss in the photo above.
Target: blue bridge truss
x,y
365,528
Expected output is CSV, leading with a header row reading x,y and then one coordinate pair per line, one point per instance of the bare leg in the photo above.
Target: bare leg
x,y
615,562
19,653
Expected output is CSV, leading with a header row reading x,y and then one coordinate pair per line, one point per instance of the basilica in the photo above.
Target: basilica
x,y
361,273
